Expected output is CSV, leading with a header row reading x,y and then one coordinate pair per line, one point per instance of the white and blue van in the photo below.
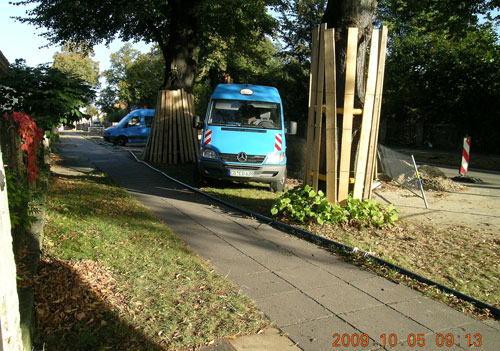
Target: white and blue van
x,y
133,128
243,136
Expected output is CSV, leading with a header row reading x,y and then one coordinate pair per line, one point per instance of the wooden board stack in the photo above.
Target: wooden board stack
x,y
341,178
172,138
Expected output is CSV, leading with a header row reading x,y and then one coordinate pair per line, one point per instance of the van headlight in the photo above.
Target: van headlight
x,y
276,157
207,153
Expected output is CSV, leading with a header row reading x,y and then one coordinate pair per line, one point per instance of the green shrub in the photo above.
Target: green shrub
x,y
305,205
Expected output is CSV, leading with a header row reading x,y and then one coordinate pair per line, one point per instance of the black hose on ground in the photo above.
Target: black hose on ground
x,y
290,229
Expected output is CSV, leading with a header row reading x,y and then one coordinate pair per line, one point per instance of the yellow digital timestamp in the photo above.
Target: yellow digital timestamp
x,y
412,340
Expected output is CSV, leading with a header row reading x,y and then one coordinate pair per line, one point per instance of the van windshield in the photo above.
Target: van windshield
x,y
253,114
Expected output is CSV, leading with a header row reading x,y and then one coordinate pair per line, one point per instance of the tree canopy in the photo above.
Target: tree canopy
x,y
443,67
47,94
78,62
179,27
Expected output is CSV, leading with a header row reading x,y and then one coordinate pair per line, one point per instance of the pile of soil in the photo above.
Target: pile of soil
x,y
435,179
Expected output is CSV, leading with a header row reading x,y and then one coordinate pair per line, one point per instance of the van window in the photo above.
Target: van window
x,y
134,121
254,114
148,120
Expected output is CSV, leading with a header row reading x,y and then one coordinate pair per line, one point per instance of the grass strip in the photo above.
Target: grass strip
x,y
115,277
459,257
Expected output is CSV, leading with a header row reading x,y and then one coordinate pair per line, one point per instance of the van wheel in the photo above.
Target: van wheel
x,y
198,180
121,141
279,185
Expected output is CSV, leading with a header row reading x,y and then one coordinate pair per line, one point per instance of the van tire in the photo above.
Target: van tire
x,y
279,186
121,141
198,179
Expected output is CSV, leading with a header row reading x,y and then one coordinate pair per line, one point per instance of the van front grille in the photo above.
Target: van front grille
x,y
234,158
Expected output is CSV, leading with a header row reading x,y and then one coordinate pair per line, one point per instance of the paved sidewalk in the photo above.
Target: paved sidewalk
x,y
309,293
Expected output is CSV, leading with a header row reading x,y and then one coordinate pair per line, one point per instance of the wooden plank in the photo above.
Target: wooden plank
x,y
350,80
331,116
161,127
186,132
319,102
313,74
168,133
189,119
189,128
193,130
182,127
157,120
366,123
175,126
154,129
372,156
340,110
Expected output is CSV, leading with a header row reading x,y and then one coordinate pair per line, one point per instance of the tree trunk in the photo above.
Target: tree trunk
x,y
179,51
342,14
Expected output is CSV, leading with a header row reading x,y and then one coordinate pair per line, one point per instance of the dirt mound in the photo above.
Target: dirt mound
x,y
435,179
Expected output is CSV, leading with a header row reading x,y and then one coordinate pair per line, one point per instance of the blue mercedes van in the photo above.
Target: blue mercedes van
x,y
133,128
243,136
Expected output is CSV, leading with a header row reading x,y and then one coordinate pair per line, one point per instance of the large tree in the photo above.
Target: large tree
x,y
78,62
342,14
443,68
179,27
134,78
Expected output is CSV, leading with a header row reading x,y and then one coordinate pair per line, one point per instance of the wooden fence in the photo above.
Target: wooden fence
x,y
172,138
331,151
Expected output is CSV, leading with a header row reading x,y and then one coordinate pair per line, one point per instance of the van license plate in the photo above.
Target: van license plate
x,y
240,173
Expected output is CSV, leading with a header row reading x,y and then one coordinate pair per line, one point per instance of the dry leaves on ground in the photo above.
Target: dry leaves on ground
x,y
70,293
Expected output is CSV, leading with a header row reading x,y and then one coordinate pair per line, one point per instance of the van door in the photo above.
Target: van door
x,y
138,128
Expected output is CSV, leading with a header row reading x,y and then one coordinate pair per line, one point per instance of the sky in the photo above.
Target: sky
x,y
20,40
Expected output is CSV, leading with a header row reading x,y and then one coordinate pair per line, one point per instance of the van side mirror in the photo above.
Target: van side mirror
x,y
197,124
291,128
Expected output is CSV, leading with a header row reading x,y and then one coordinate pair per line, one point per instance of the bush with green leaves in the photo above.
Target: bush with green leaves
x,y
305,205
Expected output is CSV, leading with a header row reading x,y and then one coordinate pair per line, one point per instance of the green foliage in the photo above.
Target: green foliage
x,y
133,78
166,23
77,62
443,66
305,205
21,200
47,94
116,115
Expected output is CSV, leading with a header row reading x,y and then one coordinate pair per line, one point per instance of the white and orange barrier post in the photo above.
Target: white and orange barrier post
x,y
465,156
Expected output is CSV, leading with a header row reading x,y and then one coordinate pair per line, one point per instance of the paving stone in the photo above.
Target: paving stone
x,y
269,339
252,245
211,247
482,335
345,271
341,297
383,320
385,290
434,315
234,267
262,284
291,308
280,260
318,335
307,277
493,324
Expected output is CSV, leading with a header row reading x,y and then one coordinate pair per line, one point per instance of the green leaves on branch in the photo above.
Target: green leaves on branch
x,y
305,205
47,94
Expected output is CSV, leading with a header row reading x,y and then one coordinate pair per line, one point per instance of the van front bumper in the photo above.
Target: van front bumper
x,y
241,172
